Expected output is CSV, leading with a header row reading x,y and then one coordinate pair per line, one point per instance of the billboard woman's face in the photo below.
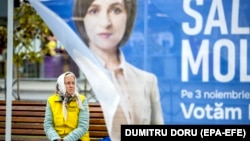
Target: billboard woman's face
x,y
105,23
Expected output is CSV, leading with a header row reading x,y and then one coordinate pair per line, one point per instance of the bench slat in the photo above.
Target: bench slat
x,y
42,113
97,127
98,134
23,126
28,102
41,120
24,113
30,132
27,132
32,108
38,126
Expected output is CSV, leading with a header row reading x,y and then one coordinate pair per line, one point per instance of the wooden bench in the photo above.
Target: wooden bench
x,y
28,118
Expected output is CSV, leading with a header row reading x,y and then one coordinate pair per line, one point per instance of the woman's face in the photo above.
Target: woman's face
x,y
105,23
69,82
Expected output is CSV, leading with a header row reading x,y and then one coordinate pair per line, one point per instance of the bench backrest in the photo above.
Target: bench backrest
x,y
28,118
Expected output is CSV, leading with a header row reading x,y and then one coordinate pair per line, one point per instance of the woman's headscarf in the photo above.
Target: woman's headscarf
x,y
61,90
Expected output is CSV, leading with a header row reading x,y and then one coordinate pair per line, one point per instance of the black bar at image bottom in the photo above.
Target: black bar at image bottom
x,y
194,132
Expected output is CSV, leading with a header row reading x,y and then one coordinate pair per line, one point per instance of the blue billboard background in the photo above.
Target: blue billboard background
x,y
199,50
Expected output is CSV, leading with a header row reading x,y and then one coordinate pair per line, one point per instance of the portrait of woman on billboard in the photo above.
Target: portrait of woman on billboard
x,y
104,26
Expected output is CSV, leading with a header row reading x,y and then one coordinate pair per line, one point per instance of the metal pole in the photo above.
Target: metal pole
x,y
9,71
146,17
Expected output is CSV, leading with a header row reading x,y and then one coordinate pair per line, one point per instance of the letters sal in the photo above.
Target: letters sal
x,y
216,18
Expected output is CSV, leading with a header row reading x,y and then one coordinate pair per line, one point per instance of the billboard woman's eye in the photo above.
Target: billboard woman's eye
x,y
117,10
92,11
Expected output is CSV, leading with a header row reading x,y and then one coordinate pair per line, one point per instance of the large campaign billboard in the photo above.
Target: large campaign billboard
x,y
198,50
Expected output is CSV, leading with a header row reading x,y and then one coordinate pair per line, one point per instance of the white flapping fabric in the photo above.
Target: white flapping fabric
x,y
103,88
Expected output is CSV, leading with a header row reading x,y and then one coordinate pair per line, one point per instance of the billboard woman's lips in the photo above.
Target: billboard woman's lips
x,y
104,35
